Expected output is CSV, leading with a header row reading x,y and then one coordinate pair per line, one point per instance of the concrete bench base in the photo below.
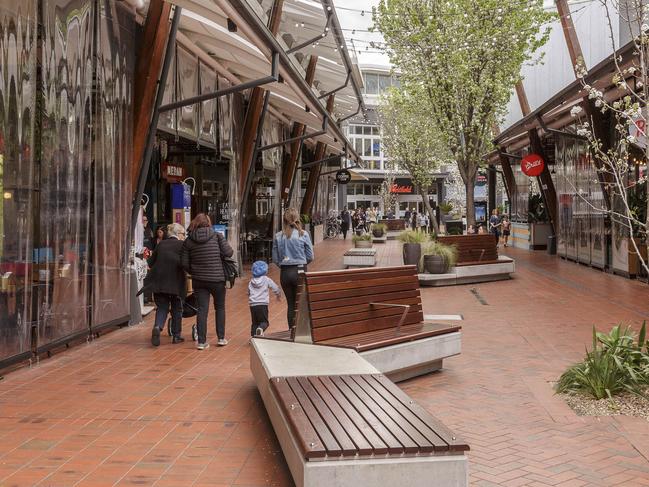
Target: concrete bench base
x,y
271,358
469,274
359,258
393,234
411,359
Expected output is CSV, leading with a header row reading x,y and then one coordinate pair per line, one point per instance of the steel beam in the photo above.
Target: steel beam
x,y
315,39
274,77
324,161
336,90
325,124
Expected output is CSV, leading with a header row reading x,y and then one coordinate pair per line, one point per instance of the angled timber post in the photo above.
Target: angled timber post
x,y
288,174
314,173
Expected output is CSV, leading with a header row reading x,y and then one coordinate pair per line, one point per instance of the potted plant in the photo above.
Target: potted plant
x,y
446,209
437,258
412,240
363,241
378,229
539,222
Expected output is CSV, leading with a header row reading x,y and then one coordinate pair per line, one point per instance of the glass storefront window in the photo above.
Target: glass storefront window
x,y
367,147
376,148
351,188
358,145
384,82
371,84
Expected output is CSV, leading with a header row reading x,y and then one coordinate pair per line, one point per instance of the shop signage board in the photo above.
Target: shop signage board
x,y
402,186
343,176
173,173
638,129
532,165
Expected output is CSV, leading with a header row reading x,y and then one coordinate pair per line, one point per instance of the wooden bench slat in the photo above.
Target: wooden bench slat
x,y
454,443
369,291
405,412
363,313
350,303
379,447
409,445
340,309
331,420
364,283
326,277
394,446
303,430
386,337
397,415
333,331
326,436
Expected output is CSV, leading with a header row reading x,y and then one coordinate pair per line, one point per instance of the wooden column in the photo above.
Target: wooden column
x,y
314,173
288,174
569,32
522,99
545,180
149,63
253,113
508,176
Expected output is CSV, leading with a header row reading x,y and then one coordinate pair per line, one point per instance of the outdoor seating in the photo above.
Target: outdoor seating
x,y
394,225
359,257
341,422
376,312
473,249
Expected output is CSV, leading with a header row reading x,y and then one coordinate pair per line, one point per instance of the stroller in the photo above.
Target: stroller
x,y
190,308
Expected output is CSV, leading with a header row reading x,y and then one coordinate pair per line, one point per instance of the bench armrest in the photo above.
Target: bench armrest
x,y
406,308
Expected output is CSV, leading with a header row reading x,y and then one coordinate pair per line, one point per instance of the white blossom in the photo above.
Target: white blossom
x,y
576,110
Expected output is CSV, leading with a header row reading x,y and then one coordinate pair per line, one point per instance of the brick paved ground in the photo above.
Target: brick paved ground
x,y
119,412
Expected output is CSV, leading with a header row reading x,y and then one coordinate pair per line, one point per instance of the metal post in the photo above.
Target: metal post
x,y
162,81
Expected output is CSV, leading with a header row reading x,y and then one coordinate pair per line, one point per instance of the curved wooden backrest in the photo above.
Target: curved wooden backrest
x,y
338,303
472,248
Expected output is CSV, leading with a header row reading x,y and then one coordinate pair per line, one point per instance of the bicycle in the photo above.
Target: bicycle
x,y
333,228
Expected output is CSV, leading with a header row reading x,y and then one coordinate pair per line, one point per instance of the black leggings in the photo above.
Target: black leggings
x,y
203,291
288,278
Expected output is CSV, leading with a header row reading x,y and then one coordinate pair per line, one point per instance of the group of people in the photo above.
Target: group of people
x,y
498,227
418,221
358,219
199,253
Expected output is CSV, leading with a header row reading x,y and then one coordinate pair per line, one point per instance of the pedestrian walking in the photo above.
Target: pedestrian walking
x,y
258,301
495,224
413,219
160,235
167,281
346,221
507,226
292,251
201,256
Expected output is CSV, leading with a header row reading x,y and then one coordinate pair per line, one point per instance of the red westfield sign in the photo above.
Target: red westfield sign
x,y
532,165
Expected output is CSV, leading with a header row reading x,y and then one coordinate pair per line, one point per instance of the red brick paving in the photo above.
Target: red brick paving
x,y
120,412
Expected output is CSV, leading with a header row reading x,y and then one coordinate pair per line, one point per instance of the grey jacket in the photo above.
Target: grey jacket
x,y
201,255
258,290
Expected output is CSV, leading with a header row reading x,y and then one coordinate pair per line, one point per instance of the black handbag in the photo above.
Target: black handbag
x,y
231,270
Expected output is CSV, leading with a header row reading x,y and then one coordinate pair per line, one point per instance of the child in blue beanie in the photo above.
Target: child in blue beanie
x,y
258,297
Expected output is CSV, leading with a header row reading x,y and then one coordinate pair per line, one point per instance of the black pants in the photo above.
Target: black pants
x,y
164,302
344,229
203,290
288,278
259,316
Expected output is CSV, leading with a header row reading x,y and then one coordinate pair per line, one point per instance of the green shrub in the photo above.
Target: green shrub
x,y
617,363
446,252
381,227
413,236
364,236
446,207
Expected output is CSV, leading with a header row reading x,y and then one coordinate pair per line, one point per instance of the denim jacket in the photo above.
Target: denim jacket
x,y
292,251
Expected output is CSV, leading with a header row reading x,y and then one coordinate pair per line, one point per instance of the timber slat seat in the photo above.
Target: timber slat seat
x,y
347,416
394,225
473,249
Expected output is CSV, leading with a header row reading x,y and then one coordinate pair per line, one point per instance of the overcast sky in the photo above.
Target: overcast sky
x,y
350,14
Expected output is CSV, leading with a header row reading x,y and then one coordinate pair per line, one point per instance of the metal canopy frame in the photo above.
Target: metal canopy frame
x,y
274,77
325,125
355,166
324,34
336,90
325,160
351,115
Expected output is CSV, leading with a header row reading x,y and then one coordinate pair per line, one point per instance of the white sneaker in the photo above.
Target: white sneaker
x,y
259,332
202,346
222,342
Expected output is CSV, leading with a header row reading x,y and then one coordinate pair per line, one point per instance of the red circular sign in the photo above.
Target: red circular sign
x,y
532,165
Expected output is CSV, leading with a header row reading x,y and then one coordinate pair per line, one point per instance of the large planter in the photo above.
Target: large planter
x,y
411,253
318,234
378,233
434,264
363,244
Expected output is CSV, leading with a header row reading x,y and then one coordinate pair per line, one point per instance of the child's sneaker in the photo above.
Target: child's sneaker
x,y
202,346
222,342
259,332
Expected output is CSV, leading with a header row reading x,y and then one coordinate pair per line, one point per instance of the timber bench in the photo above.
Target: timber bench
x,y
473,249
359,257
394,224
342,423
376,312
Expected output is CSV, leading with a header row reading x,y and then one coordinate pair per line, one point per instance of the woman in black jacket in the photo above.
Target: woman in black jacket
x,y
201,257
166,280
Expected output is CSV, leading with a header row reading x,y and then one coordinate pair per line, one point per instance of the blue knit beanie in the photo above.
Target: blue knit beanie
x,y
259,268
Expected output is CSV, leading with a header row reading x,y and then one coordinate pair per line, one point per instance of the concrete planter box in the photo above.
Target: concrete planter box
x,y
318,234
363,244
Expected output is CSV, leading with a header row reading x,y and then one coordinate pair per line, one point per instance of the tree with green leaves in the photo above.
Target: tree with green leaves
x,y
467,54
410,141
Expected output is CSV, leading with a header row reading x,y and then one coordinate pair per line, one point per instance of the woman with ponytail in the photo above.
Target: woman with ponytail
x,y
292,251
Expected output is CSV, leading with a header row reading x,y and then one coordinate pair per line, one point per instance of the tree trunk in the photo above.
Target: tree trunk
x,y
469,185
429,209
